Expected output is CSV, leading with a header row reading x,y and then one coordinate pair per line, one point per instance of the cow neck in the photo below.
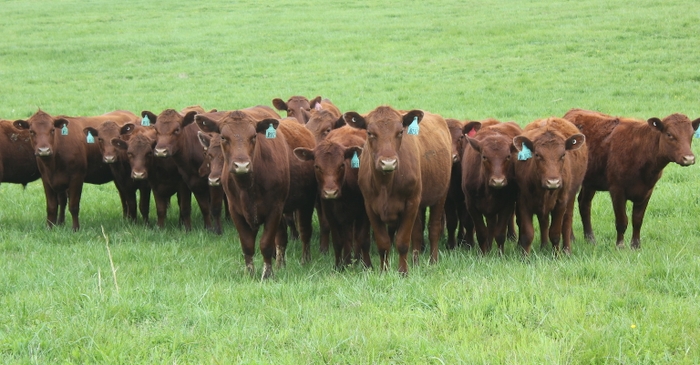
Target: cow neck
x,y
186,142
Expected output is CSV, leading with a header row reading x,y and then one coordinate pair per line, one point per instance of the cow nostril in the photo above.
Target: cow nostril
x,y
688,160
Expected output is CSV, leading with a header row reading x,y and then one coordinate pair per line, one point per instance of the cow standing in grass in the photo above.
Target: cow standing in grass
x,y
17,160
626,157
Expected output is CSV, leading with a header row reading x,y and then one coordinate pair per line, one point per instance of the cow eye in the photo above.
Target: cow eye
x,y
669,135
52,132
562,156
32,133
508,158
400,134
370,135
176,132
483,158
317,167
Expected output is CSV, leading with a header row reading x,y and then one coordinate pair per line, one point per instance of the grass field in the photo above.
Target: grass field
x,y
184,298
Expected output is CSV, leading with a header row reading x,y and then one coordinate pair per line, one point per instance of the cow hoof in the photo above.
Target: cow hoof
x,y
250,269
267,272
620,245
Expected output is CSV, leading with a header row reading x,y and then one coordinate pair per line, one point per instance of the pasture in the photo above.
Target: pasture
x,y
184,298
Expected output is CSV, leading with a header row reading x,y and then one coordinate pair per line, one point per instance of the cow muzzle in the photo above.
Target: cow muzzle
x,y
687,160
455,158
43,151
214,181
552,184
161,152
240,168
330,193
388,164
109,159
138,175
498,182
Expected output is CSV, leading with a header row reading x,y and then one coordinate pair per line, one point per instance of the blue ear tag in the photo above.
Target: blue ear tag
x,y
697,133
414,128
145,121
355,161
525,153
271,132
90,138
64,130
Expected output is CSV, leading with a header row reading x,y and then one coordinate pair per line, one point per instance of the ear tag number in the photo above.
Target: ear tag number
x,y
525,153
90,138
271,132
355,161
145,121
64,130
413,128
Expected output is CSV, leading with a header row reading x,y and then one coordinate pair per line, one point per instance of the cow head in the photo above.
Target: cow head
x,y
103,135
139,151
331,162
213,157
42,130
239,135
676,137
297,107
385,130
496,153
169,126
323,122
548,152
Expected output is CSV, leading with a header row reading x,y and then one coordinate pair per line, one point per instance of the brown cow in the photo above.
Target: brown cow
x,y
121,170
17,160
488,180
456,215
262,180
162,175
299,107
549,170
404,169
66,160
341,198
626,157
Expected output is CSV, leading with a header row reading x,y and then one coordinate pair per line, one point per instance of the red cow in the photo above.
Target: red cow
x,y
162,175
262,180
549,170
456,215
341,198
17,160
626,157
121,170
404,168
488,180
299,107
66,160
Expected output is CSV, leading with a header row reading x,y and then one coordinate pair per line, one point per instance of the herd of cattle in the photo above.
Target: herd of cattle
x,y
379,170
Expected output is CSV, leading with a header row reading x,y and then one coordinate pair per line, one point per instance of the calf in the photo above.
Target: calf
x,y
549,171
404,168
456,215
66,160
118,163
488,180
162,175
262,180
299,107
626,157
342,203
17,160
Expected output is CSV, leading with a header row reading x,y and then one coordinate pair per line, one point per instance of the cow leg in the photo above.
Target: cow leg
x,y
203,201
435,228
62,204
292,224
305,217
511,228
247,237
585,199
123,197
619,202
280,246
555,229
323,226
638,210
362,239
382,238
417,238
406,232
145,202
466,226
567,226
52,202
184,200
162,201
527,230
503,219
544,229
75,191
216,196
452,220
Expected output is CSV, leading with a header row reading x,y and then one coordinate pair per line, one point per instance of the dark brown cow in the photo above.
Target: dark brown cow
x,y
456,215
488,180
66,160
548,179
121,170
341,198
17,160
401,174
626,157
300,107
262,180
162,175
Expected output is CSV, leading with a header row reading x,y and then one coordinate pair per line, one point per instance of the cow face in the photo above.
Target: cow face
x,y
385,131
676,138
297,107
323,122
548,155
331,162
42,130
103,136
169,126
496,153
213,158
139,151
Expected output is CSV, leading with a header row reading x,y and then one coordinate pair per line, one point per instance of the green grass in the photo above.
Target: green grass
x,y
184,298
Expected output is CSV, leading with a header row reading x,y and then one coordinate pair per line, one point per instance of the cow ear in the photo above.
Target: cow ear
x,y
575,142
204,170
90,130
213,111
471,128
695,124
20,124
189,118
265,124
474,143
520,141
279,104
304,117
338,123
119,143
60,123
315,103
304,154
351,151
410,117
206,124
127,129
355,120
151,117
204,139
656,123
